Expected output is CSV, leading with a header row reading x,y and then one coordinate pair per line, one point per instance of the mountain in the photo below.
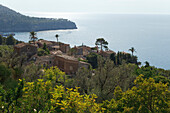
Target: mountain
x,y
12,21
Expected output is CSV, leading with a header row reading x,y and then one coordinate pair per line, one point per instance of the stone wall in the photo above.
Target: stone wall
x,y
66,65
28,49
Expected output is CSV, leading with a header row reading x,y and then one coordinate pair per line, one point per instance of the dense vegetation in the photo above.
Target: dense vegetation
x,y
43,51
49,95
108,88
10,40
11,21
112,85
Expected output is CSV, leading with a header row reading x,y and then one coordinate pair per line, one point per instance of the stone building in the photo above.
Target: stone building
x,y
54,46
41,43
64,47
69,64
45,61
28,49
106,54
82,50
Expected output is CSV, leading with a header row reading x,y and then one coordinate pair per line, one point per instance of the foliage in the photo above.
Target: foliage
x,y
132,49
10,63
105,78
33,36
102,43
146,97
92,59
57,36
5,50
108,76
147,64
83,79
45,48
120,57
42,52
41,96
10,40
56,76
31,72
1,40
4,73
159,75
70,101
46,90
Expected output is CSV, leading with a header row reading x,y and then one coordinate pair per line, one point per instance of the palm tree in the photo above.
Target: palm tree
x,y
57,37
132,50
33,36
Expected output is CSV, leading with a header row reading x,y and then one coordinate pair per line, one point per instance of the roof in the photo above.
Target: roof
x,y
45,41
83,46
60,43
109,51
54,42
20,45
67,57
44,58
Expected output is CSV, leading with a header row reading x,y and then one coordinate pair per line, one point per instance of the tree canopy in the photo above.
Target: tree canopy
x,y
1,40
101,42
10,40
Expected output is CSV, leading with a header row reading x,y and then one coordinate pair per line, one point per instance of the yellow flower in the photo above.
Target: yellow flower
x,y
62,108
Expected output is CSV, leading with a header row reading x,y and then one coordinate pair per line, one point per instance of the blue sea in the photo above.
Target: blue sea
x,y
149,34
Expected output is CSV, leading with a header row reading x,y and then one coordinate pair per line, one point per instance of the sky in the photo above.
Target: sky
x,y
90,6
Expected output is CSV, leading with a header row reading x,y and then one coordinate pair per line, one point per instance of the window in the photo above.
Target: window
x,y
71,68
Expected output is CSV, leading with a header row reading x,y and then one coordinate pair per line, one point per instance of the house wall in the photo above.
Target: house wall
x,y
68,66
28,49
83,64
64,47
82,50
17,50
45,61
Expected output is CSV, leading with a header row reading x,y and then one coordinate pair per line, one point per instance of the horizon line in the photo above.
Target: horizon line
x,y
154,13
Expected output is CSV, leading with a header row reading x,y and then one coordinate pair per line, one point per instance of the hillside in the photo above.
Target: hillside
x,y
12,21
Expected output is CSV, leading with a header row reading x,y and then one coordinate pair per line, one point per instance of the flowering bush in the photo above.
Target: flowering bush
x,y
42,96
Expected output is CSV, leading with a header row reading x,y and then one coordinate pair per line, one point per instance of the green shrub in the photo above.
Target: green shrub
x,y
42,52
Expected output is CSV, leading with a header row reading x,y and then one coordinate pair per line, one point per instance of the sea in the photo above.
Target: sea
x,y
149,34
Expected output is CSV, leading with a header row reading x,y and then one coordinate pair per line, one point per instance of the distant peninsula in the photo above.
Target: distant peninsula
x,y
12,21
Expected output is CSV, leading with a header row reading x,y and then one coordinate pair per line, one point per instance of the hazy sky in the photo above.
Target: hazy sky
x,y
94,6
